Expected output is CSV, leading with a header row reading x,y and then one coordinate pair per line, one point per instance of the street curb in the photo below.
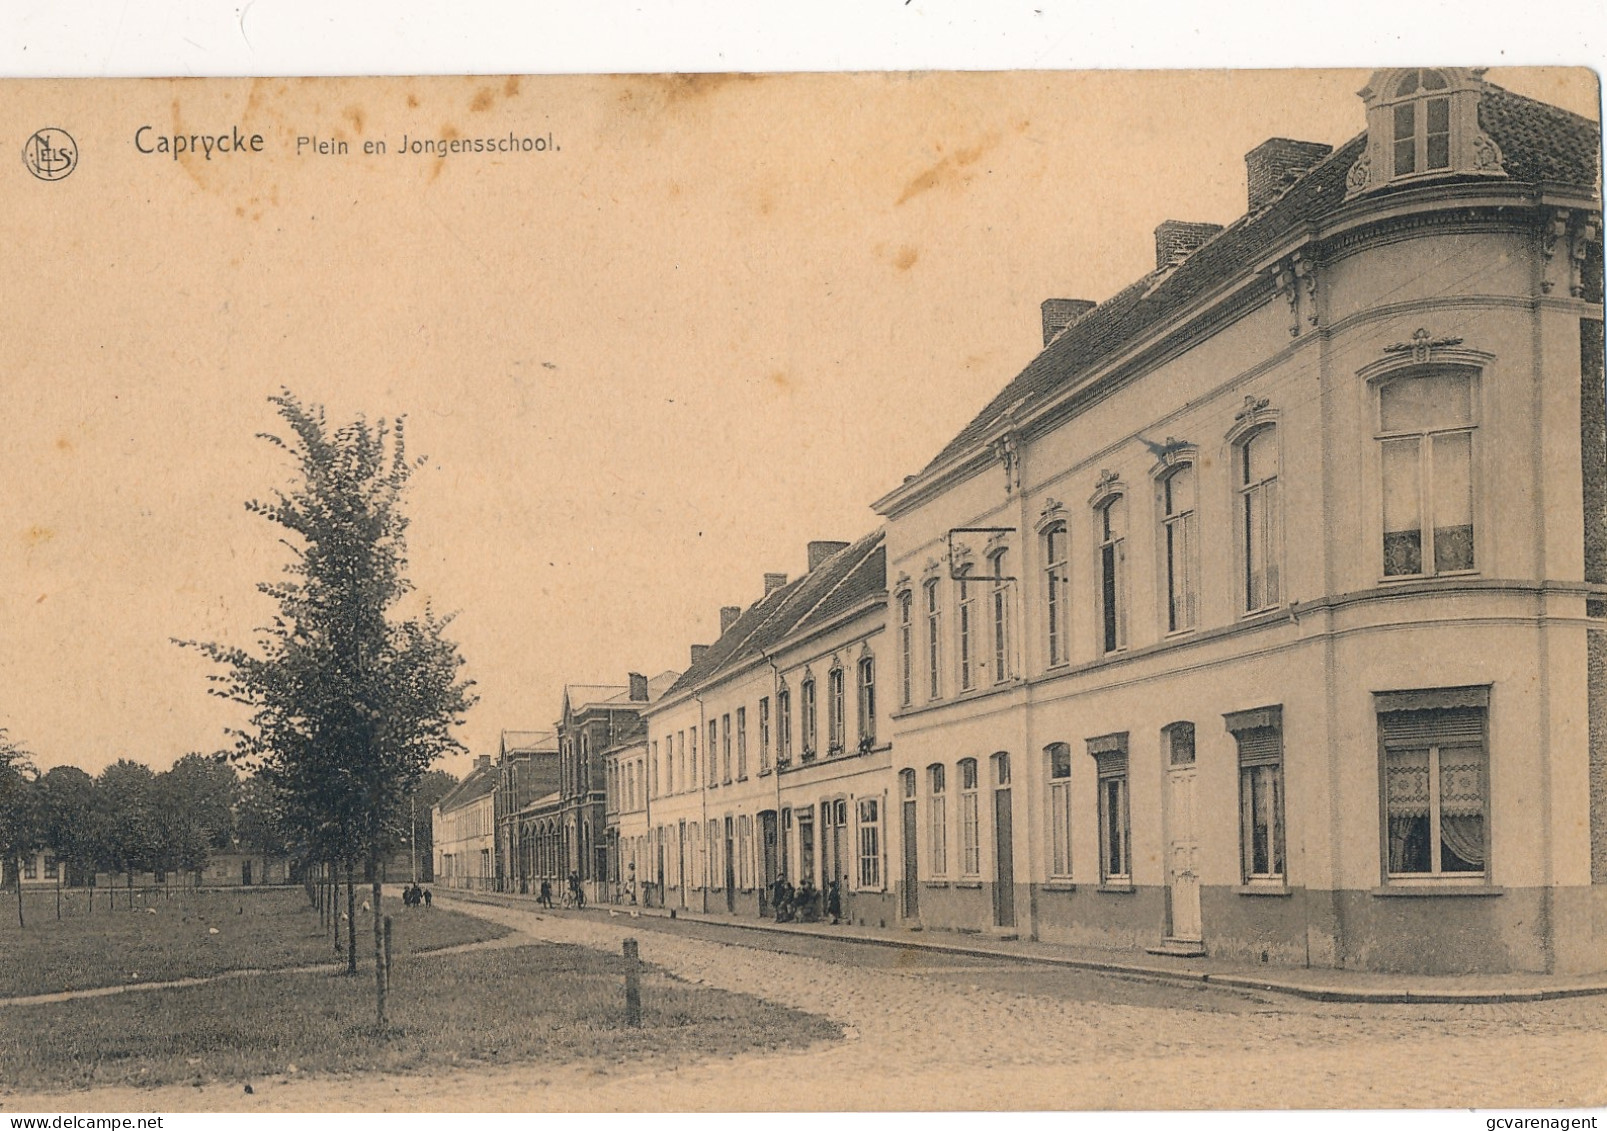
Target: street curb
x,y
1145,973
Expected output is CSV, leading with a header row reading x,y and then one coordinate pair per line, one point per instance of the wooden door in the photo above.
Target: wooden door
x,y
1183,878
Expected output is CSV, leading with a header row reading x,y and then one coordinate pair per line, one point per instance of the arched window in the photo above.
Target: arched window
x,y
999,605
937,829
1057,604
1260,518
1425,436
970,832
1111,516
867,700
966,609
1179,539
836,708
1057,759
906,649
1421,136
807,719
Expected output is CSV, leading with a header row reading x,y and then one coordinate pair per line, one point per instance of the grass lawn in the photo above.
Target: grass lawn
x,y
541,1002
259,928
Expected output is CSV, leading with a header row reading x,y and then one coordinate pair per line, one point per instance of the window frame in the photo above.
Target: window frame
x,y
964,629
1446,702
1426,437
742,744
1419,102
865,698
808,722
1267,494
1057,592
1059,796
1113,802
970,819
1111,595
1258,735
868,838
836,709
906,647
1180,578
725,749
764,733
783,726
933,606
999,616
937,820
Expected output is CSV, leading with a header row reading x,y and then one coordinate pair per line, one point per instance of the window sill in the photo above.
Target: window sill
x,y
976,884
1408,578
1274,891
1458,890
1116,888
934,883
1060,885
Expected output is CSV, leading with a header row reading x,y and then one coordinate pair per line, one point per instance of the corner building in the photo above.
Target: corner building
x,y
1260,615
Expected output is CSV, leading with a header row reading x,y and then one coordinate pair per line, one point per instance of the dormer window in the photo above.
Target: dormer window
x,y
1423,123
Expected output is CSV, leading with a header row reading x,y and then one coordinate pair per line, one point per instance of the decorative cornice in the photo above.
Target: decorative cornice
x,y
1422,345
1053,511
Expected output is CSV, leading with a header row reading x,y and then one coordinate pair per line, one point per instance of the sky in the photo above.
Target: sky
x,y
715,321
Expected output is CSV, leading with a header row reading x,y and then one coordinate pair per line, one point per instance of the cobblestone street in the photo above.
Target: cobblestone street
x,y
935,1031
928,1031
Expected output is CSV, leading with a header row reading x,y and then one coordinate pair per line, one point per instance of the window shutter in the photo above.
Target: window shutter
x,y
1260,746
1414,728
1110,751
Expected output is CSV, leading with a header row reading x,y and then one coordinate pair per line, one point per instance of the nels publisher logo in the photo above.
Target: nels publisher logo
x,y
50,154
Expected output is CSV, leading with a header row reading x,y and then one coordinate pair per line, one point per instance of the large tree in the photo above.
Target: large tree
x,y
259,820
125,820
350,697
21,829
67,801
193,805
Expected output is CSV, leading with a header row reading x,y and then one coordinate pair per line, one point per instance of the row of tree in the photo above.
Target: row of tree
x,y
350,696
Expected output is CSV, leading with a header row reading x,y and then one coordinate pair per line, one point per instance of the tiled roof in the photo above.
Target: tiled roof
x,y
529,742
1538,142
582,694
866,579
838,583
480,782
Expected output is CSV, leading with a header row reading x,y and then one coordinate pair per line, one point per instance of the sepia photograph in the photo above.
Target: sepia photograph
x,y
929,590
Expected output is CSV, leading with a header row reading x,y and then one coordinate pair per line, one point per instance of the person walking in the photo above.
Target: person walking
x,y
545,898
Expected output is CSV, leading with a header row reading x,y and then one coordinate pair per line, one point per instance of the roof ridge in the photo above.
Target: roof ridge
x,y
869,542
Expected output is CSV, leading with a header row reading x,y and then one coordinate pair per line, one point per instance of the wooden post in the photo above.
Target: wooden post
x,y
633,985
387,952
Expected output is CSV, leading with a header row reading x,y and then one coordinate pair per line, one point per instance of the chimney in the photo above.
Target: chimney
x,y
1276,164
820,551
697,652
1058,313
482,762
773,581
728,617
638,687
1175,240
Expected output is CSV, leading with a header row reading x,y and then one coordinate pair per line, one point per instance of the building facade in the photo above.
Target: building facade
x,y
1260,615
766,761
464,826
596,719
527,769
